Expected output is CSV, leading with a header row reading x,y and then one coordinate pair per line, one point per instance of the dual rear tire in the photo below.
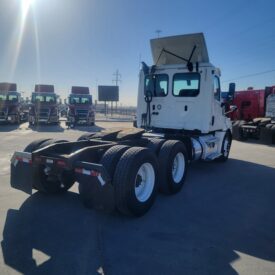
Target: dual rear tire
x,y
141,173
138,173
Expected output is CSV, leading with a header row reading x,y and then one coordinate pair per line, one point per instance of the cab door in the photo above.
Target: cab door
x,y
218,117
157,85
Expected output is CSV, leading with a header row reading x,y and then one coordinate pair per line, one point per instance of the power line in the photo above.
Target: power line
x,y
249,75
117,76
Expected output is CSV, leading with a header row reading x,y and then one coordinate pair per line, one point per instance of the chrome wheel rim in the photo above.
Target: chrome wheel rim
x,y
178,167
144,182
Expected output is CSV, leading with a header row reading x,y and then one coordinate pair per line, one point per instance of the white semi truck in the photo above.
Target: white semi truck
x,y
180,119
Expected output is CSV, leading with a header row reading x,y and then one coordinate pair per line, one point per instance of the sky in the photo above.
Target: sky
x,y
83,42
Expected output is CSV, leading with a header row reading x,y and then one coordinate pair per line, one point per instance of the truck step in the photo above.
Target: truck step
x,y
213,156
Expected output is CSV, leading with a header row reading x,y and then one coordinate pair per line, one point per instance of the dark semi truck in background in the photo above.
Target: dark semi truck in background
x,y
43,109
80,107
10,107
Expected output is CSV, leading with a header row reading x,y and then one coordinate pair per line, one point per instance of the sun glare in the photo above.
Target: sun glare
x,y
26,4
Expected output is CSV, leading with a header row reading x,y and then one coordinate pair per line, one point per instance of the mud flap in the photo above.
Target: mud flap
x,y
98,185
267,135
21,172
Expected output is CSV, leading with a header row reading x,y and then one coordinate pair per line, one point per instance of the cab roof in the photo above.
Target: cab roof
x,y
80,90
8,87
180,45
42,88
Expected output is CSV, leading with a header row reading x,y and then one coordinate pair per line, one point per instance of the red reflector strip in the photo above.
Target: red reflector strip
x,y
24,160
95,173
78,170
61,163
86,172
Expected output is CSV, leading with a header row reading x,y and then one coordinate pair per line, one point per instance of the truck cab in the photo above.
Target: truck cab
x,y
80,107
43,109
270,105
9,103
181,92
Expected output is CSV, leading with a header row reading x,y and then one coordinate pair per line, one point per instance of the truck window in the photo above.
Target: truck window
x,y
44,98
13,98
50,99
76,99
157,84
186,84
246,104
3,97
37,98
217,88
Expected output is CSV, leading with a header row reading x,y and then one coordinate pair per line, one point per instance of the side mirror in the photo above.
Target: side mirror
x,y
231,91
145,68
232,109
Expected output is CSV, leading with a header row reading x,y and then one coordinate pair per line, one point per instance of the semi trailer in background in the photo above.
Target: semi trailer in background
x,y
80,107
180,119
10,104
255,115
44,107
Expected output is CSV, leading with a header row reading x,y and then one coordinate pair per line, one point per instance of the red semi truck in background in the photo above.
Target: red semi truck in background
x,y
255,116
44,108
10,106
80,107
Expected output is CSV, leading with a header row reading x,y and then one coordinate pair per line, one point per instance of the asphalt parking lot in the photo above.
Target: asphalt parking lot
x,y
222,222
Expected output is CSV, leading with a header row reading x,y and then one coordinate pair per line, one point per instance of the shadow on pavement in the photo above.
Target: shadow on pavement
x,y
47,128
223,208
9,127
86,128
257,141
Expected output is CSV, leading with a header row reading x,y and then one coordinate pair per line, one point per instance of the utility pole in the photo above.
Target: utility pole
x,y
158,32
116,80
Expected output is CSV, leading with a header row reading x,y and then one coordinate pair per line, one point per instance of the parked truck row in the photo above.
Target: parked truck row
x,y
44,107
180,119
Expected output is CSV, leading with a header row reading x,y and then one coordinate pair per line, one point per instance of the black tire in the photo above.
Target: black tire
x,y
85,193
264,121
85,136
111,157
109,160
267,135
269,125
51,141
55,185
167,154
227,141
35,145
237,132
18,120
273,134
155,144
126,178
